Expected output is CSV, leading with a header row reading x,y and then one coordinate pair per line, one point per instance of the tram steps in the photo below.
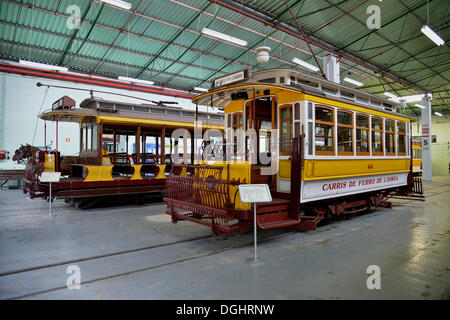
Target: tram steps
x,y
274,214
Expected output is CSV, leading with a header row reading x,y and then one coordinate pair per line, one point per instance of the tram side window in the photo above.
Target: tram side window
x,y
362,134
377,136
417,153
285,128
390,137
401,133
324,130
345,132
237,124
237,120
89,136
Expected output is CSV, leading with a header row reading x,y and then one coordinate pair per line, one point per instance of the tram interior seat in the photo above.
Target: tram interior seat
x,y
122,164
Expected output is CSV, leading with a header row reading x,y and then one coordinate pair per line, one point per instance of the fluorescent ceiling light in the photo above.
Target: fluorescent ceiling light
x,y
201,89
135,80
412,98
426,30
305,64
224,37
390,95
353,81
438,114
420,106
42,65
118,3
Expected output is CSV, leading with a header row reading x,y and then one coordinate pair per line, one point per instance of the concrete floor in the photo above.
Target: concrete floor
x,y
134,252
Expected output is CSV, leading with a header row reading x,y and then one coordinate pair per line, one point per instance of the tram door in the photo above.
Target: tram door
x,y
264,116
289,127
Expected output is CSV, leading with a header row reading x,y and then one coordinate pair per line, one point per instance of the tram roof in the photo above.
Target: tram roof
x,y
277,80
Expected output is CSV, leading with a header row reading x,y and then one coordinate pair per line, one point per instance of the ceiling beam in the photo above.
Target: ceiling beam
x,y
173,39
314,40
393,43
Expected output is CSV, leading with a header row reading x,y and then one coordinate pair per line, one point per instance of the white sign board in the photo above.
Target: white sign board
x,y
238,76
254,193
330,188
50,177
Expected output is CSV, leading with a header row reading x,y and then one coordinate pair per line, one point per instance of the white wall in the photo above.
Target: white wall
x,y
440,127
20,103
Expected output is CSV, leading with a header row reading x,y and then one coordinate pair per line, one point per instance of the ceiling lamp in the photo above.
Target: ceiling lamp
x,y
135,80
42,65
118,3
438,114
305,64
420,106
353,81
262,54
426,30
201,89
224,37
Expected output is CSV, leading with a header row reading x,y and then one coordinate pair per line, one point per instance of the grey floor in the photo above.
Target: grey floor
x,y
134,252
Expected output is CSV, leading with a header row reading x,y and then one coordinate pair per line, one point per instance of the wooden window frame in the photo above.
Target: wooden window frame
x,y
241,123
382,136
289,127
345,153
404,137
325,153
392,132
368,134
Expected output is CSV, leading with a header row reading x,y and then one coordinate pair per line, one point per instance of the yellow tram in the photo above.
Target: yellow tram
x,y
417,156
324,149
109,130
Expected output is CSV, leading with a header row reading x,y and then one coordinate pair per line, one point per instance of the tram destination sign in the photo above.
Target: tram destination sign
x,y
238,76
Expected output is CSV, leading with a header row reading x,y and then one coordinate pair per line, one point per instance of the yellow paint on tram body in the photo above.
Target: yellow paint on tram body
x,y
98,173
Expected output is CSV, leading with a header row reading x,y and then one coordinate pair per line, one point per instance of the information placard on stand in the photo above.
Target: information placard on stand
x,y
50,177
255,193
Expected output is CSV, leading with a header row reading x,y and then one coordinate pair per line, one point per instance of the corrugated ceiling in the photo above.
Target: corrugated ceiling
x,y
161,40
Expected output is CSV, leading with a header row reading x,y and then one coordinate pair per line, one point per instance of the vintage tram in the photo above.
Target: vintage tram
x,y
417,156
125,149
333,151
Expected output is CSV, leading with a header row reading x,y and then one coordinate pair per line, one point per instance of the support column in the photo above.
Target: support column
x,y
99,142
163,144
157,145
114,142
82,139
138,144
426,139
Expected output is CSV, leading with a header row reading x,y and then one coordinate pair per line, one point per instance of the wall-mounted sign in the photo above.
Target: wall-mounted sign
x,y
433,139
230,78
